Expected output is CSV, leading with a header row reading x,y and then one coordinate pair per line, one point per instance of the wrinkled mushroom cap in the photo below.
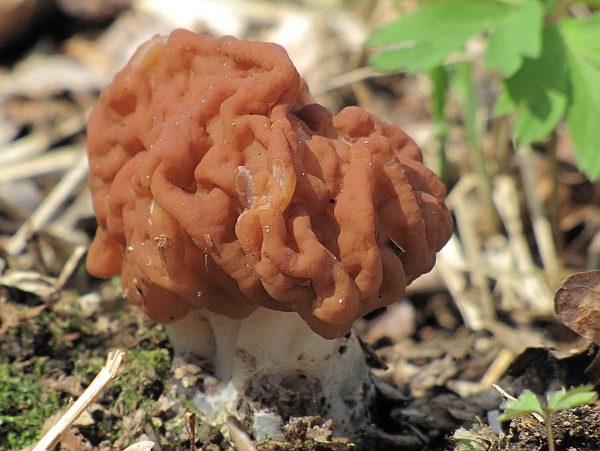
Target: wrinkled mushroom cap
x,y
218,184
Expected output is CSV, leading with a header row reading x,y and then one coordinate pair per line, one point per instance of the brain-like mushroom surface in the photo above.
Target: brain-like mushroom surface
x,y
219,184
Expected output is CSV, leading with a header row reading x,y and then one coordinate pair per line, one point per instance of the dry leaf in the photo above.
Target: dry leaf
x,y
72,440
577,304
30,282
239,436
144,445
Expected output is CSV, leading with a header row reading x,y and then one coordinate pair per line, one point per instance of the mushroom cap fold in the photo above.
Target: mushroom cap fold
x,y
219,184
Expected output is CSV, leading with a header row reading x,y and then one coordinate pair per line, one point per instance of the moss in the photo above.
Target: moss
x,y
140,373
26,402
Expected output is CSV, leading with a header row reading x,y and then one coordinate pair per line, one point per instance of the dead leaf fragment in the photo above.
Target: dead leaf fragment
x,y
577,304
73,440
144,445
320,434
239,436
30,282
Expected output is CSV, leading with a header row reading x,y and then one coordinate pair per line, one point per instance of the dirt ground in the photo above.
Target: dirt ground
x,y
435,354
52,348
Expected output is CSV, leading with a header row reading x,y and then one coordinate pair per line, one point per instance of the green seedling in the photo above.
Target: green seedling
x,y
529,404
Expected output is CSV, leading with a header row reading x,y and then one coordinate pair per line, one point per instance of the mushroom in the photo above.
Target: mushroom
x,y
252,222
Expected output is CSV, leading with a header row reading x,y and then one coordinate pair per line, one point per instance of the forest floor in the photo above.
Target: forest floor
x,y
435,355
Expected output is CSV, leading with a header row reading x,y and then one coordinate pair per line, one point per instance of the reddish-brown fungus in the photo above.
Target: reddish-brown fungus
x,y
214,148
246,218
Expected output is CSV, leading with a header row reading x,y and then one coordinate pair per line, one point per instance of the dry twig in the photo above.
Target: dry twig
x,y
101,381
59,194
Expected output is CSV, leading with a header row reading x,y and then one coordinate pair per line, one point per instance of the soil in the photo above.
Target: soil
x,y
51,349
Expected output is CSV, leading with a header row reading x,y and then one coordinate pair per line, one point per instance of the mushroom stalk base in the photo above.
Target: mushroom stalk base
x,y
271,366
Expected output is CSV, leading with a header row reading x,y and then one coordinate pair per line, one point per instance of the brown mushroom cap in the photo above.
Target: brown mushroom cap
x,y
218,184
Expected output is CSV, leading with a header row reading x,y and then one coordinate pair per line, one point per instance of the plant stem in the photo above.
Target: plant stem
x,y
554,210
464,88
549,432
439,80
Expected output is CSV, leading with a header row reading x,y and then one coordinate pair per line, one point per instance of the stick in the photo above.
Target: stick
x,y
104,377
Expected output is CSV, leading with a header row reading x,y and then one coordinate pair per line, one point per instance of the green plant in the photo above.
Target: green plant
x,y
548,60
529,404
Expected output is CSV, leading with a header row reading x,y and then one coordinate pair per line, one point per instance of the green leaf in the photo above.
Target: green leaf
x,y
423,39
526,404
582,38
437,20
420,58
539,90
583,118
504,103
563,400
518,35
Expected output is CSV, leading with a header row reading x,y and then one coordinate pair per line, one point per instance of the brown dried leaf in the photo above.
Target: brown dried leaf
x,y
320,434
238,434
72,440
144,445
71,385
396,323
30,282
577,304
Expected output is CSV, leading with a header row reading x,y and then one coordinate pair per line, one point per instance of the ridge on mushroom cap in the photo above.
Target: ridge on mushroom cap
x,y
218,184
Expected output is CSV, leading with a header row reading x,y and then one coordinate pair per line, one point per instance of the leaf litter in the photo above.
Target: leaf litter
x,y
435,356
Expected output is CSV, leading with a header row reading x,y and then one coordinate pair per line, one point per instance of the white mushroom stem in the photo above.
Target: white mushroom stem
x,y
270,350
